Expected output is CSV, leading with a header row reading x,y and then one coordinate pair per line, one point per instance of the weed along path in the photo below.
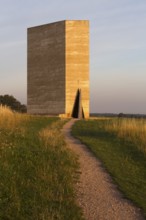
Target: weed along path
x,y
96,194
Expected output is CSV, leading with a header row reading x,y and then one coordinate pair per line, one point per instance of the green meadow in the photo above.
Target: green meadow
x,y
121,146
37,171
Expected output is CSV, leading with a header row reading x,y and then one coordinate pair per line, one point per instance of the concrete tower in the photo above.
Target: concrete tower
x,y
58,69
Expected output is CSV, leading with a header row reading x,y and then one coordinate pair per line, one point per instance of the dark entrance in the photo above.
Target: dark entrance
x,y
78,109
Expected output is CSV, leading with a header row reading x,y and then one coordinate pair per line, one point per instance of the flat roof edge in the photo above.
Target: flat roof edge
x,y
54,23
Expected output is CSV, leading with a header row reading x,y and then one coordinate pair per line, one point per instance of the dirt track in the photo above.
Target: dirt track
x,y
96,194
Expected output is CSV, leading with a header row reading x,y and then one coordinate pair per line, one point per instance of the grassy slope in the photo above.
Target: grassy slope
x,y
121,158
37,173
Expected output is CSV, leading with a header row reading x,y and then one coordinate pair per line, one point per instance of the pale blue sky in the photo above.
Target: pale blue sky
x,y
117,48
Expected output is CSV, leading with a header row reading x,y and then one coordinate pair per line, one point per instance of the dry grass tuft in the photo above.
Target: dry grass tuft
x,y
130,129
10,120
52,135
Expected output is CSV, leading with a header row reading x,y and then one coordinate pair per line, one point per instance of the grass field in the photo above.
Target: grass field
x,y
121,145
37,172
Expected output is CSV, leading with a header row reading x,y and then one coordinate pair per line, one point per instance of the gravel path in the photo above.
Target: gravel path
x,y
96,194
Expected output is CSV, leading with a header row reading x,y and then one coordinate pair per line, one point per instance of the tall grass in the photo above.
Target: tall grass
x,y
133,130
37,172
12,126
10,120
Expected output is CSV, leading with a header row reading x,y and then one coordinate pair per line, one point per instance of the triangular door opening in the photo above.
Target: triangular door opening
x,y
78,111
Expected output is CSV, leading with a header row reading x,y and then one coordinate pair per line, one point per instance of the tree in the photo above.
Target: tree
x,y
121,115
13,103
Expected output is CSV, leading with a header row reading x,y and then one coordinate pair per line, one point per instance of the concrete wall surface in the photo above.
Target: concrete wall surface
x,y
77,63
46,69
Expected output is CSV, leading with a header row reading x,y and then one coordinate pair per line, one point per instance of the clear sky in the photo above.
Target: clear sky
x,y
117,48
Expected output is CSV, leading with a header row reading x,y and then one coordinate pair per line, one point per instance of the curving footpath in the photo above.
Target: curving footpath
x,y
96,194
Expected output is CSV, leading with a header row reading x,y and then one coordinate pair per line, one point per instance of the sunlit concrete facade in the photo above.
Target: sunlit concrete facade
x,y
58,65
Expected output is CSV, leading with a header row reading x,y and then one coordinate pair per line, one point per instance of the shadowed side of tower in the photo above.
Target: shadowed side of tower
x,y
46,69
58,67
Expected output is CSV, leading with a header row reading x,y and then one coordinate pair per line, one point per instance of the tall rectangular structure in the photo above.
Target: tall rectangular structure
x,y
58,68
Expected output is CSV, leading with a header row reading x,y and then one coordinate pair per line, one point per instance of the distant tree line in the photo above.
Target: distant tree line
x,y
14,104
120,115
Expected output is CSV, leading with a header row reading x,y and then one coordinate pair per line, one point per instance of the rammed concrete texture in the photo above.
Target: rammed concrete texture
x,y
58,67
